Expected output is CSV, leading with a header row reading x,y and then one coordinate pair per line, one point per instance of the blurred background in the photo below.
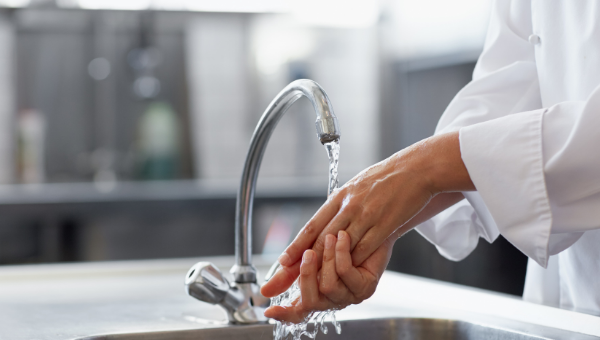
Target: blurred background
x,y
124,124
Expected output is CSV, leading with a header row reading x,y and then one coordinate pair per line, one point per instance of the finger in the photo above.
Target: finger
x,y
350,275
309,294
309,288
309,233
356,230
328,275
353,217
369,243
377,262
339,222
287,313
330,284
373,267
281,281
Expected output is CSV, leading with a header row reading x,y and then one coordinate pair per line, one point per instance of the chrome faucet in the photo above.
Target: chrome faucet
x,y
242,299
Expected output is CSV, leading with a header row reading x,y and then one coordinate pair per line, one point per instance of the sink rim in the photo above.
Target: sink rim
x,y
504,325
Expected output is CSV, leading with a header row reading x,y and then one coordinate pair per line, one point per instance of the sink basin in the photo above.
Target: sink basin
x,y
389,328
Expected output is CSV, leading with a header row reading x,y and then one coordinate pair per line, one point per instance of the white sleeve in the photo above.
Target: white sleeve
x,y
539,174
505,81
537,171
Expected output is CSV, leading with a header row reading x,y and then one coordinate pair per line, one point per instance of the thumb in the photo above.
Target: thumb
x,y
281,281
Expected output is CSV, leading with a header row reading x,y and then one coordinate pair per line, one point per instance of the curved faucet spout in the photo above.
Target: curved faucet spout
x,y
242,299
327,131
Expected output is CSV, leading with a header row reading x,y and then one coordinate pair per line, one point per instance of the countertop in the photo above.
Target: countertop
x,y
69,301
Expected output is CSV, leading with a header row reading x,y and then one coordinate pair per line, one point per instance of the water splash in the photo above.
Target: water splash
x,y
286,330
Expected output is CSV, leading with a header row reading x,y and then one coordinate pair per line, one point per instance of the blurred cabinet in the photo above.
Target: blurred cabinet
x,y
7,102
77,69
93,75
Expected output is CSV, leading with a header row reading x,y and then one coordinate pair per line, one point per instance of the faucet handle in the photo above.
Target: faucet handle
x,y
242,302
205,282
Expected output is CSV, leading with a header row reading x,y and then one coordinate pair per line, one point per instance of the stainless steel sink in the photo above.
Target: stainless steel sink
x,y
391,328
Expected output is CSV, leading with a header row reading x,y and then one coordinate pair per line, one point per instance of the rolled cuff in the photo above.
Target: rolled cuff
x,y
504,159
452,231
455,231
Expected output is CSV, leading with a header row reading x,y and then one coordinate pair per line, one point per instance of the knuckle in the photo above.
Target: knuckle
x,y
319,244
291,249
337,196
367,214
343,270
353,206
352,233
305,272
309,228
361,247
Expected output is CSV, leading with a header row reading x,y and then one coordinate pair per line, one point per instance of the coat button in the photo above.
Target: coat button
x,y
534,39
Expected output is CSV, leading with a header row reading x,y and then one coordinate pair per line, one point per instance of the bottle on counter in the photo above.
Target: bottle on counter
x,y
158,143
31,128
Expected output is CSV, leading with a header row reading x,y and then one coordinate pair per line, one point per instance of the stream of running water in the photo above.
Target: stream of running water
x,y
288,331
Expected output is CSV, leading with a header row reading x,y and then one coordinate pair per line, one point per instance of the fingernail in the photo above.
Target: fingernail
x,y
341,234
329,241
284,259
307,257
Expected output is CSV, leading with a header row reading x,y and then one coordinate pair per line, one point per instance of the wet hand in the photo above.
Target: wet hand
x,y
285,276
338,283
384,198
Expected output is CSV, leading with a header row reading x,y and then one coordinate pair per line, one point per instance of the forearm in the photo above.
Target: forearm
x,y
438,159
376,202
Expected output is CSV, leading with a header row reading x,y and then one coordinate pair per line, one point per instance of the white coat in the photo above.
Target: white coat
x,y
529,125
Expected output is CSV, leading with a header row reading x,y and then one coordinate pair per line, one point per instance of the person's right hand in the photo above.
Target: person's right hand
x,y
340,284
285,276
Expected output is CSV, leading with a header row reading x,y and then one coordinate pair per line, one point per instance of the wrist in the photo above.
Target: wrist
x,y
441,166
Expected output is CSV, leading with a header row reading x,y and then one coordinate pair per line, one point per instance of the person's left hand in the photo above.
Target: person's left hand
x,y
338,284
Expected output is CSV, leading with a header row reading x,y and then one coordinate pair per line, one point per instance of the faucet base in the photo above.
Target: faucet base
x,y
244,274
252,310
